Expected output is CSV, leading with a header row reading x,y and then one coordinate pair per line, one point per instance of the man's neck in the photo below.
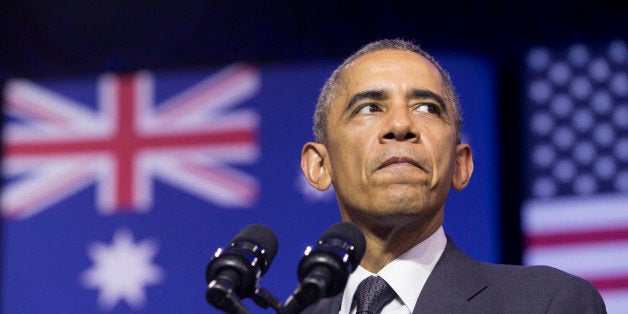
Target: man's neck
x,y
385,244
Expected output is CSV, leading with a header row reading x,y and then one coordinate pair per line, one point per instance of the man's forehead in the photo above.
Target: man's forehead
x,y
364,72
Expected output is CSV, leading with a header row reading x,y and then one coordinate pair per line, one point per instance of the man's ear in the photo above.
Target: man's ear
x,y
463,167
315,165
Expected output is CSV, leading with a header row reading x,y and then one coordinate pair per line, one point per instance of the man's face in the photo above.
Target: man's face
x,y
391,151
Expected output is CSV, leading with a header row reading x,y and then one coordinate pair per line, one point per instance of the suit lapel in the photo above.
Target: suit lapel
x,y
455,280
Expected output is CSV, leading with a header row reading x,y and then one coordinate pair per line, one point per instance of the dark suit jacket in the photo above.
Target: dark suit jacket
x,y
459,284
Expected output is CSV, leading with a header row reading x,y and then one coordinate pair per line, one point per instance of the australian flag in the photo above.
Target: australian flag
x,y
117,189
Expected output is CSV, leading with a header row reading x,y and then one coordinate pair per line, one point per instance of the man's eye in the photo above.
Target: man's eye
x,y
368,108
429,108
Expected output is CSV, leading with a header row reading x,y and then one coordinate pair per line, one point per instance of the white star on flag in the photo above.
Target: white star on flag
x,y
121,270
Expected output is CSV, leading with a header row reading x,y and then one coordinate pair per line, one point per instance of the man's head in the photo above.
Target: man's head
x,y
328,93
391,145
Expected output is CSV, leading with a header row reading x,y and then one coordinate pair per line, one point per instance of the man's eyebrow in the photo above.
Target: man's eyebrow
x,y
427,94
368,94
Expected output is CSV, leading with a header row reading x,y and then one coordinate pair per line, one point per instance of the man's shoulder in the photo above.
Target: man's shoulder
x,y
545,287
542,276
546,276
529,289
535,271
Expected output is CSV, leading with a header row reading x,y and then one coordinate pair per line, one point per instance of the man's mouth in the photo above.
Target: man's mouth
x,y
399,161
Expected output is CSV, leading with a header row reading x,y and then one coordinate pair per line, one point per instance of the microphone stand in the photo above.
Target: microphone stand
x,y
221,296
264,299
310,290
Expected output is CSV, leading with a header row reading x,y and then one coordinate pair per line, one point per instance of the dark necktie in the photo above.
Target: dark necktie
x,y
372,295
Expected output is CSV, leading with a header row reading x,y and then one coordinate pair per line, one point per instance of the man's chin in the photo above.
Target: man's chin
x,y
393,218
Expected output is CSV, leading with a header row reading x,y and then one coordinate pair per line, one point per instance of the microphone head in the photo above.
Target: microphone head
x,y
325,267
262,236
242,262
352,234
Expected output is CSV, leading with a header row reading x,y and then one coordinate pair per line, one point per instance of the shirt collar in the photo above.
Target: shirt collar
x,y
417,264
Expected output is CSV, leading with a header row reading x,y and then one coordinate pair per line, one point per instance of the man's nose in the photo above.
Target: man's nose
x,y
399,125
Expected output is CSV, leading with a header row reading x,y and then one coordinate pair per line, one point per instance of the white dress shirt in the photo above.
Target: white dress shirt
x,y
407,275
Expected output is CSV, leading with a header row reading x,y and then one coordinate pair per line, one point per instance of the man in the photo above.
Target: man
x,y
388,137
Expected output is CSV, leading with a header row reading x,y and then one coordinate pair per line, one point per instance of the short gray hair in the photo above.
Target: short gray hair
x,y
329,92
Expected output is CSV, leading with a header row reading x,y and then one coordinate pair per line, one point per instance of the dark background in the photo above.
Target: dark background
x,y
53,38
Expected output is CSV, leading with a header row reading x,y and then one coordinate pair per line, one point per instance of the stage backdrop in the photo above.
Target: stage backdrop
x,y
118,189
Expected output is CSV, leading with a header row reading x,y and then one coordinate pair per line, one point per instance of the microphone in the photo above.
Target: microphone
x,y
233,272
325,267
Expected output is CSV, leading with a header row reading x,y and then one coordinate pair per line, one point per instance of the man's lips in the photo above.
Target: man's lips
x,y
399,160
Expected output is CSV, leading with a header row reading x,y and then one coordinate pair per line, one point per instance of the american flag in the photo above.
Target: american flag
x,y
576,214
55,146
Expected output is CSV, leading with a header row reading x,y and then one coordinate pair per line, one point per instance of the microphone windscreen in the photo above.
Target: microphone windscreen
x,y
262,236
352,234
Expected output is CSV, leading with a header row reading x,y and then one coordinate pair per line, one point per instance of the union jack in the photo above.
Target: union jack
x,y
55,146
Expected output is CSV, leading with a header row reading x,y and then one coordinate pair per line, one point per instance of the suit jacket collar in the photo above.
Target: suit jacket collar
x,y
455,280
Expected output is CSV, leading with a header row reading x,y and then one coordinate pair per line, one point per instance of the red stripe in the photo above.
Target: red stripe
x,y
246,190
617,282
215,87
583,237
140,142
124,143
42,112
36,198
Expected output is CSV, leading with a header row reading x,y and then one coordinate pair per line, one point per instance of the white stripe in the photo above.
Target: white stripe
x,y
616,300
105,187
585,260
173,171
236,84
223,153
575,213
224,122
42,186
47,103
